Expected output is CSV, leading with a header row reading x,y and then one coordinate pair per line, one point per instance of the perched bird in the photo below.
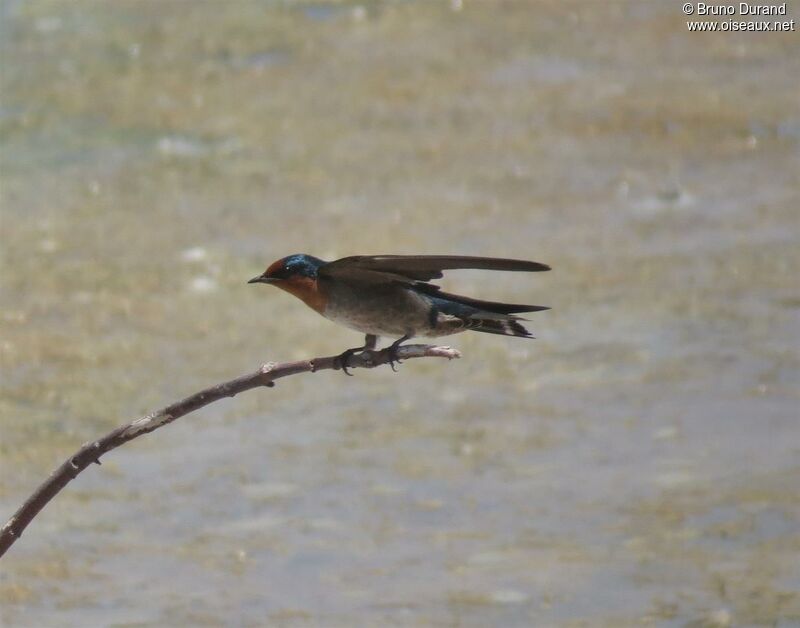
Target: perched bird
x,y
389,295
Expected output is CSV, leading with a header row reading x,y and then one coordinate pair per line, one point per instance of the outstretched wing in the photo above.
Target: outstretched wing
x,y
413,271
423,267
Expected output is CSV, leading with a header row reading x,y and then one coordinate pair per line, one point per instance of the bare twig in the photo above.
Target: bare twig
x,y
264,376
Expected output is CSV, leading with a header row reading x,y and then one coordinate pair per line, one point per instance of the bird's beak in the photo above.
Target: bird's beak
x,y
262,279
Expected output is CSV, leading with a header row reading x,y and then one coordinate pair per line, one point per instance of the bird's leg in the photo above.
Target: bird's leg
x,y
370,340
393,351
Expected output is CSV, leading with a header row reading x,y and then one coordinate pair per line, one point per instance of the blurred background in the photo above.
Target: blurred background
x,y
635,465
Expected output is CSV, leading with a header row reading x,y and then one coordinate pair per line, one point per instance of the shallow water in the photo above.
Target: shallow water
x,y
636,465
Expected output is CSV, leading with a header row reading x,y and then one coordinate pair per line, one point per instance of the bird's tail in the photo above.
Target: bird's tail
x,y
502,326
488,317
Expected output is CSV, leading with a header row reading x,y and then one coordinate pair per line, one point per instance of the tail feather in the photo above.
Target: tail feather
x,y
507,327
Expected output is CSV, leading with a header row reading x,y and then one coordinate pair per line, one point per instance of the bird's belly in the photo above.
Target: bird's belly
x,y
392,314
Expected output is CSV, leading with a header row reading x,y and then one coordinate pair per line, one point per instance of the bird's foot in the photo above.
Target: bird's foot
x,y
343,360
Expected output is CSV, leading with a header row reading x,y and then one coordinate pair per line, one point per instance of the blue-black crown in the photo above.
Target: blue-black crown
x,y
302,264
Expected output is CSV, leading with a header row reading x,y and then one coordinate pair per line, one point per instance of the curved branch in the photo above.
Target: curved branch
x,y
264,376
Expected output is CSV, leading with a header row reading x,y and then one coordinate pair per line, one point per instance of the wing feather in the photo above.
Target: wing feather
x,y
427,267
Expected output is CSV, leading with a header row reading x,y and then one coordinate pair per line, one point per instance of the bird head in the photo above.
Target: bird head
x,y
290,269
297,275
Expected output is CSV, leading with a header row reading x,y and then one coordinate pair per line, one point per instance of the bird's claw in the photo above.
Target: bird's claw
x,y
393,359
343,360
394,356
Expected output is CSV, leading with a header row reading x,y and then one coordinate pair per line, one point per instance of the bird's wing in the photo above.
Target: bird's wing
x,y
425,267
364,277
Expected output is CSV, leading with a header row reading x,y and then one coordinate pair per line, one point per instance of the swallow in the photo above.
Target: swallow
x,y
391,295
